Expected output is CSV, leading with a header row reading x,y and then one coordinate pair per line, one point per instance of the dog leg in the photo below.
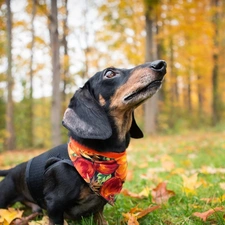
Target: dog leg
x,y
35,208
8,192
55,211
99,218
55,216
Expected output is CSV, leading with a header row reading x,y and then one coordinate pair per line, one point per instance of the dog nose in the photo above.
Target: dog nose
x,y
158,65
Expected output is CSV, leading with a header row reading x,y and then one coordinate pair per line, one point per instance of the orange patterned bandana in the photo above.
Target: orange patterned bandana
x,y
105,172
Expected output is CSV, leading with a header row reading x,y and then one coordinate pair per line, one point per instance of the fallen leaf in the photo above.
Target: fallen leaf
x,y
160,194
125,192
178,171
43,221
214,200
24,220
147,211
8,215
167,162
205,215
190,184
133,217
143,194
132,220
135,209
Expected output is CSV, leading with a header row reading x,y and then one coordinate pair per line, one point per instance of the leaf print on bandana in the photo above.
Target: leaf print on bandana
x,y
103,178
85,168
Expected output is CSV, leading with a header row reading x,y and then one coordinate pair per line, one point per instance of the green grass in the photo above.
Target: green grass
x,y
167,158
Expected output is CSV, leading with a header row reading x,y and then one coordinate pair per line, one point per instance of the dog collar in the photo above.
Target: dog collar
x,y
104,172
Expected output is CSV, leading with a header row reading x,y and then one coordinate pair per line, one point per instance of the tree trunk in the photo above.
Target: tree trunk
x,y
151,105
66,56
56,93
30,126
174,97
189,91
86,37
200,98
10,139
215,71
174,88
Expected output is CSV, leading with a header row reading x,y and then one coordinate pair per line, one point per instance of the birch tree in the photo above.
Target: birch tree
x,y
56,93
10,140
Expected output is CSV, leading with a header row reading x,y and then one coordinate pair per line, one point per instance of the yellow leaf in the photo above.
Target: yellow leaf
x,y
178,171
132,217
143,194
1,220
132,220
167,162
43,221
8,215
190,184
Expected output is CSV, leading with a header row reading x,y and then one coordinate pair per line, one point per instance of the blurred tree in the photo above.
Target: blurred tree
x,y
216,102
10,138
30,127
187,27
65,63
2,74
56,92
152,53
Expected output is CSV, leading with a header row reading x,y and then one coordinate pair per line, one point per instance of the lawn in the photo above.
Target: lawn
x,y
190,165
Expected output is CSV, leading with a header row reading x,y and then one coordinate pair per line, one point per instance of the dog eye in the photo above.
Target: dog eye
x,y
110,74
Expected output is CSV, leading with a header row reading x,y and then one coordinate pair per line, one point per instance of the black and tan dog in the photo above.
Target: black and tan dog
x,y
77,179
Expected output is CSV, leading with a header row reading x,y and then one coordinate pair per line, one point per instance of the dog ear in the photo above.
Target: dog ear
x,y
86,118
135,131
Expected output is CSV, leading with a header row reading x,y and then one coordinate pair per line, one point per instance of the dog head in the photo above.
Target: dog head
x,y
112,95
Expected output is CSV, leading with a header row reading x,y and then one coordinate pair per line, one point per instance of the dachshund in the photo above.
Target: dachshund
x,y
77,179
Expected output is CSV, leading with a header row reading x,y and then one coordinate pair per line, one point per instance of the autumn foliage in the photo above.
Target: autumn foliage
x,y
187,34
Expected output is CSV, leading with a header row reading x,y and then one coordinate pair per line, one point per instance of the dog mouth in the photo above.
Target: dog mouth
x,y
151,88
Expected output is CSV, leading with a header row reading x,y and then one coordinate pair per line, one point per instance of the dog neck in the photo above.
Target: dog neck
x,y
122,121
112,144
105,173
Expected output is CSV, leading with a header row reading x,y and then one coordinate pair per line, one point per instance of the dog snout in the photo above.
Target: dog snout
x,y
159,66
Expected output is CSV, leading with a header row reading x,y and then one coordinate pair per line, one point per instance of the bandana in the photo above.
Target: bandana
x,y
105,172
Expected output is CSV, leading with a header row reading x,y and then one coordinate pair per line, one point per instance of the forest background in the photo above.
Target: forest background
x,y
50,48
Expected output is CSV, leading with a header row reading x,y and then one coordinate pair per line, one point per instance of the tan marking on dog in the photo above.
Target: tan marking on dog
x,y
85,191
137,79
121,112
101,100
123,122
